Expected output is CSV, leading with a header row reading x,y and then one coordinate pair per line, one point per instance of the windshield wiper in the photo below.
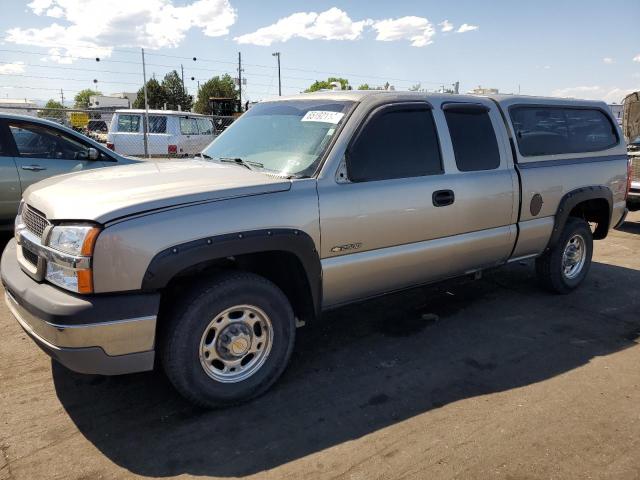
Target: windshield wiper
x,y
203,155
245,163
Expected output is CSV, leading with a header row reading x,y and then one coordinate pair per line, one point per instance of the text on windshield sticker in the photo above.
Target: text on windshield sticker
x,y
322,116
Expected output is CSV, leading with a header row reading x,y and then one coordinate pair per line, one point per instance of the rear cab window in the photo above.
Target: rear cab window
x,y
554,130
473,137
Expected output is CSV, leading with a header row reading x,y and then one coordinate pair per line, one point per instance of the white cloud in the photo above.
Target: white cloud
x,y
95,27
595,92
465,27
332,24
636,58
446,26
12,68
335,24
418,30
608,60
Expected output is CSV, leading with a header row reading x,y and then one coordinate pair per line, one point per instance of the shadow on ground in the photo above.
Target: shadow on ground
x,y
361,369
630,227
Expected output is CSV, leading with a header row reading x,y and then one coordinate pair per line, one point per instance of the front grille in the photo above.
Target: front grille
x,y
30,257
635,169
34,220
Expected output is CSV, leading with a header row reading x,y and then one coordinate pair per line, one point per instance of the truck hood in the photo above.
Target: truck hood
x,y
105,194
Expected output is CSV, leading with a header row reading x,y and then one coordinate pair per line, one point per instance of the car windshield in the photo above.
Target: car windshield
x,y
286,137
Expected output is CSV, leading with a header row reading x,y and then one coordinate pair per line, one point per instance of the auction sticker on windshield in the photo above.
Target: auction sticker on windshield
x,y
322,116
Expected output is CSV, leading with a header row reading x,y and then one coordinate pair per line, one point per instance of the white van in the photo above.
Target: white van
x,y
170,133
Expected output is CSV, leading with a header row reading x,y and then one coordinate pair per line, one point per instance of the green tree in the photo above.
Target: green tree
x,y
176,93
215,87
364,86
327,84
156,95
82,97
416,88
52,109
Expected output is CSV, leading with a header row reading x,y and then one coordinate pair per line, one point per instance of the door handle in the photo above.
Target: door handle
x,y
33,168
442,198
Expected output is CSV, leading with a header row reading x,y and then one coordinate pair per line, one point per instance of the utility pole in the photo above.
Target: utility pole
x,y
240,79
277,55
182,70
146,107
62,97
456,88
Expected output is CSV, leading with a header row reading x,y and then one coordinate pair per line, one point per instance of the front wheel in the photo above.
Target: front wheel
x,y
229,340
565,266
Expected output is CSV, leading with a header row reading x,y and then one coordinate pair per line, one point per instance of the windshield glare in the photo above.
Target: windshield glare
x,y
286,137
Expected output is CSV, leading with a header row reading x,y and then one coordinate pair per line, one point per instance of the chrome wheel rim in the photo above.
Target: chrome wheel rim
x,y
574,256
236,343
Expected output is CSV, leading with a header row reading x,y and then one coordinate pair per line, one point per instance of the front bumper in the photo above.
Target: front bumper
x,y
106,334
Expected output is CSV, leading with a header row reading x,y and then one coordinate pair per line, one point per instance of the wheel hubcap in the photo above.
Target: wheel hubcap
x,y
236,343
574,256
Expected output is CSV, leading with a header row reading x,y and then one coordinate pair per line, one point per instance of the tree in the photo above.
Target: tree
x,y
52,109
416,88
214,87
364,86
82,97
156,95
176,93
327,84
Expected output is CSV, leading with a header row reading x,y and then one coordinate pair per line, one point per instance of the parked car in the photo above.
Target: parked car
x,y
32,149
97,130
170,133
631,130
304,204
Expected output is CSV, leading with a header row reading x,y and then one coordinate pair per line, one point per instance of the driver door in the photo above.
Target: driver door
x,y
43,151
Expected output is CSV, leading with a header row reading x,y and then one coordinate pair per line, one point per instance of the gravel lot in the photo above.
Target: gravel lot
x,y
492,378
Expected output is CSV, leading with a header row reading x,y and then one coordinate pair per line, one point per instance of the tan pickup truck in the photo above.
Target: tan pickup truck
x,y
305,203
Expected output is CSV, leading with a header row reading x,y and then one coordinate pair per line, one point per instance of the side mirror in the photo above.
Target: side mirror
x,y
93,154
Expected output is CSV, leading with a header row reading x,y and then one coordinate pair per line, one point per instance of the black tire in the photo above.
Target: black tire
x,y
186,323
549,267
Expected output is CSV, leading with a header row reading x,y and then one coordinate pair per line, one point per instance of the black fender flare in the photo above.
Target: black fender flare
x,y
166,264
575,197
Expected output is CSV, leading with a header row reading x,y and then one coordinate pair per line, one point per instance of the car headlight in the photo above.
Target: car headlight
x,y
18,224
78,241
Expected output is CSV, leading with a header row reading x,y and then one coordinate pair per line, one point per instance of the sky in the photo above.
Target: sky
x,y
587,49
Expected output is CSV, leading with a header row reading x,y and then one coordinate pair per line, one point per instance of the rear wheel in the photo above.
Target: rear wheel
x,y
229,340
565,266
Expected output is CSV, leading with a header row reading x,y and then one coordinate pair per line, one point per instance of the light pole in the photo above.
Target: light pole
x,y
277,55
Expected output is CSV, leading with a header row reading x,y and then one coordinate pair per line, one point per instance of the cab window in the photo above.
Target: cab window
x,y
188,126
396,142
205,126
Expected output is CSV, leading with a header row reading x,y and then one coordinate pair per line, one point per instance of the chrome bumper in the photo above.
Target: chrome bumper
x,y
115,338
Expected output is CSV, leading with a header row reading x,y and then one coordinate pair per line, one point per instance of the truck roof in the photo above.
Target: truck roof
x,y
504,100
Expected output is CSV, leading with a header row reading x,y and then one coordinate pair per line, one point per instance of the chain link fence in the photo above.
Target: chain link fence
x,y
125,131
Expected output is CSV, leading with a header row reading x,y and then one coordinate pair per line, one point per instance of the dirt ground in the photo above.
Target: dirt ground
x,y
492,378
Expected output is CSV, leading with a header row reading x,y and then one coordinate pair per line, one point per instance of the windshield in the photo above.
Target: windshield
x,y
287,137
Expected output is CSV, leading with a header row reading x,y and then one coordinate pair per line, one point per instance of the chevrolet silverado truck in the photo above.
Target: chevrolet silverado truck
x,y
631,131
304,204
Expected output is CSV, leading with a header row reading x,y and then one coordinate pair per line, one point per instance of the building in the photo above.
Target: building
x,y
480,90
21,106
108,102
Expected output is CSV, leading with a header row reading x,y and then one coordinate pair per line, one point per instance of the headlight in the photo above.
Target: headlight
x,y
74,240
78,241
18,225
